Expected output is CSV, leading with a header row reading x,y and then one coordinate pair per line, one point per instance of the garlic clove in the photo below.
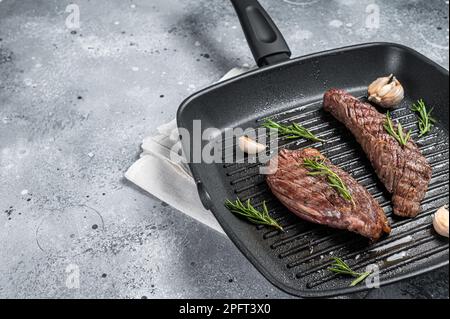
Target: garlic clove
x,y
249,146
378,84
386,91
440,221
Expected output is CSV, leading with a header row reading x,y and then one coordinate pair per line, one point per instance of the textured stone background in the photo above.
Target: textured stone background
x,y
74,107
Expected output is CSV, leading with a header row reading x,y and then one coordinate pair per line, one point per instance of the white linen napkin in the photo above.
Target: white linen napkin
x,y
162,173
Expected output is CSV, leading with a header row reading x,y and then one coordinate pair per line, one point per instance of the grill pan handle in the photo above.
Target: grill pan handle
x,y
265,40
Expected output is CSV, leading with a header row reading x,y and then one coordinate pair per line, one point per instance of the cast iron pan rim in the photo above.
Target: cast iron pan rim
x,y
352,290
230,232
218,85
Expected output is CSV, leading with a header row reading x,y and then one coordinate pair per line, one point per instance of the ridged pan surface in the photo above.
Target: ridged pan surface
x,y
304,250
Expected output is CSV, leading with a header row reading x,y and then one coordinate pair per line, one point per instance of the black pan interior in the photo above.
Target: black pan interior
x,y
296,260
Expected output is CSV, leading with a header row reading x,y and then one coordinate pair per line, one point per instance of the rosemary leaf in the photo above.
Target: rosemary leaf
x,y
425,120
292,131
342,268
317,167
361,278
252,214
399,133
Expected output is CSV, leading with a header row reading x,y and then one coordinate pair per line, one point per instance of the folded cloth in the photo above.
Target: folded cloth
x,y
162,172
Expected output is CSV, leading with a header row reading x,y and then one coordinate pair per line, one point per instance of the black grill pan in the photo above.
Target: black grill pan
x,y
291,90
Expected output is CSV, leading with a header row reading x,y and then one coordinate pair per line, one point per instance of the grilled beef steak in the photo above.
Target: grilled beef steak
x,y
403,170
313,199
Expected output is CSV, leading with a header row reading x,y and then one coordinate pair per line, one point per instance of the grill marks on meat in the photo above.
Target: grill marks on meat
x,y
313,199
404,171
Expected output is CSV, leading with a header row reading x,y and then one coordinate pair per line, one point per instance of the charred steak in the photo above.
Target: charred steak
x,y
313,199
404,171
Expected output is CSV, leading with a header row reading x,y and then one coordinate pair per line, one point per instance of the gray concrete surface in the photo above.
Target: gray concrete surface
x,y
74,107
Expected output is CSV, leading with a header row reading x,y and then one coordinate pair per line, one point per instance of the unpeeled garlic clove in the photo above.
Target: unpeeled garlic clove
x,y
386,91
440,221
249,146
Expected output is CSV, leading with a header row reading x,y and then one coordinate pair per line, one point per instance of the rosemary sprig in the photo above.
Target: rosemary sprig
x,y
252,214
340,267
317,167
425,120
398,134
292,131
